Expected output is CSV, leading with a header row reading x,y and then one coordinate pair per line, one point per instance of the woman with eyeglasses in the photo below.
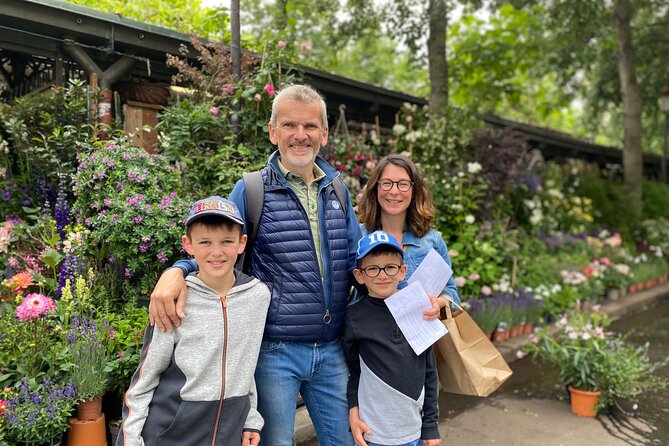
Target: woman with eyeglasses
x,y
397,201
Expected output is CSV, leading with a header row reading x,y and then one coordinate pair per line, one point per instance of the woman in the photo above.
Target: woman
x,y
397,201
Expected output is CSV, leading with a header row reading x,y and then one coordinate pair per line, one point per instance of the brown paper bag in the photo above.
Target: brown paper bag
x,y
467,362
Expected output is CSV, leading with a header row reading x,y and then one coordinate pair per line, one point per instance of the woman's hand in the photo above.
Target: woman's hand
x,y
168,300
434,442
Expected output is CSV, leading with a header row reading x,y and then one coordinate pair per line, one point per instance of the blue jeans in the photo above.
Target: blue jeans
x,y
417,442
319,373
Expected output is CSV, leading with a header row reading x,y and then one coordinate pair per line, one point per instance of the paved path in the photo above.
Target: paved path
x,y
514,420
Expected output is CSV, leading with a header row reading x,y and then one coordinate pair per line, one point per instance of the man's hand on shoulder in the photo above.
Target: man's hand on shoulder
x,y
168,300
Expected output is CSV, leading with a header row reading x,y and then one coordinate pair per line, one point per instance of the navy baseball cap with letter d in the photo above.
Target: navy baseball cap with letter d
x,y
374,240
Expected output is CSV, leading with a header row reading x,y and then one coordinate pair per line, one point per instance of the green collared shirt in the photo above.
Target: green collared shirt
x,y
308,196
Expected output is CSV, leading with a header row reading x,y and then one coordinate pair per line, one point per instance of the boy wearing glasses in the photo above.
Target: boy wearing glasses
x,y
392,393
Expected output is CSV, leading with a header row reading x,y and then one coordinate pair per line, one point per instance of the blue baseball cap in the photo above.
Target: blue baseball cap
x,y
376,239
216,206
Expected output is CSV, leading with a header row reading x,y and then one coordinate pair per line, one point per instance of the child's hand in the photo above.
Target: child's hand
x,y
250,439
358,427
434,310
434,442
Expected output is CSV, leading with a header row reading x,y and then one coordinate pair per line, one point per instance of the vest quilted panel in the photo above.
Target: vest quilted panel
x,y
283,257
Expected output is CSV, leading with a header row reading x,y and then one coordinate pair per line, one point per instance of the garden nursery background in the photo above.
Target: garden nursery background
x,y
91,221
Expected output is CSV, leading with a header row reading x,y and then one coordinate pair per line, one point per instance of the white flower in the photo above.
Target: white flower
x,y
469,219
461,174
399,129
453,253
586,336
536,216
474,167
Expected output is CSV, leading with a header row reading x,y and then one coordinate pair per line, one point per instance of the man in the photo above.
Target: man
x,y
304,251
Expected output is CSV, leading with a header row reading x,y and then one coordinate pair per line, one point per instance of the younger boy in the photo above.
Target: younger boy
x,y
392,393
194,386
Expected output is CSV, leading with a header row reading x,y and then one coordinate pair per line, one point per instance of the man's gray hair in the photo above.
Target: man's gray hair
x,y
300,93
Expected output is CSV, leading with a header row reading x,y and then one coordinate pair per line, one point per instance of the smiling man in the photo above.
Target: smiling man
x,y
304,250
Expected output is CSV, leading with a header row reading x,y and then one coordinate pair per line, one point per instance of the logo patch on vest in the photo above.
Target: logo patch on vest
x,y
335,204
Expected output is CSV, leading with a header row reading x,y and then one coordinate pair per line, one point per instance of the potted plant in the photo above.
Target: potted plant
x,y
594,363
88,340
615,279
38,415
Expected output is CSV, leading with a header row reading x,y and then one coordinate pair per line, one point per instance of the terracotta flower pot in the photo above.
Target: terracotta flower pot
x,y
583,403
515,331
87,433
90,409
527,328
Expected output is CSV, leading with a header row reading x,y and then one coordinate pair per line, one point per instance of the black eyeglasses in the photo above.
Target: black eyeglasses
x,y
402,185
372,271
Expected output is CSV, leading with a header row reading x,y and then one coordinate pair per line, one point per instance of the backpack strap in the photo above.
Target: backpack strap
x,y
255,198
340,192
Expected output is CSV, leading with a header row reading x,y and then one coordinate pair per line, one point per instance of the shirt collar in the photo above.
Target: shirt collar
x,y
318,172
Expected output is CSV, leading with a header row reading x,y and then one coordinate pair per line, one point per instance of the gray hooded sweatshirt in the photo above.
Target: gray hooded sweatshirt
x,y
195,386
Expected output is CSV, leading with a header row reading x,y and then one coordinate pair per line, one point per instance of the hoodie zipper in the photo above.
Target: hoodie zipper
x,y
224,306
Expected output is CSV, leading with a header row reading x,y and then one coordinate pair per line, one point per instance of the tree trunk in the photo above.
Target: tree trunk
x,y
436,51
629,90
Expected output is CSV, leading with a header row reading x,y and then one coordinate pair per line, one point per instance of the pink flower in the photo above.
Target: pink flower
x,y
460,281
269,90
214,111
281,44
230,89
306,46
473,276
257,97
409,118
486,290
35,305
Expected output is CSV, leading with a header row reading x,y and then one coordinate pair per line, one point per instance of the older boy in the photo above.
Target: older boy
x,y
195,385
392,393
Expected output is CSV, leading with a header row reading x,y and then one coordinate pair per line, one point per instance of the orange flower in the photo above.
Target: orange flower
x,y
20,281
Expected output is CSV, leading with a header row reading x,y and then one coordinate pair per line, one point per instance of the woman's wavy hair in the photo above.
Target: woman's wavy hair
x,y
420,214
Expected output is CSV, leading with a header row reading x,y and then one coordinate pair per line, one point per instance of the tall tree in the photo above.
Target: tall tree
x,y
436,51
629,90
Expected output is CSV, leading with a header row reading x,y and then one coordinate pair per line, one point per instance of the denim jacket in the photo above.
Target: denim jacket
x,y
416,248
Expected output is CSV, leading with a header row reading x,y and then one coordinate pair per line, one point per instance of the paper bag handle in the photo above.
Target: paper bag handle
x,y
448,297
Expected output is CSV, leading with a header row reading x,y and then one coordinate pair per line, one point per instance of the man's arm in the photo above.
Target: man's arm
x,y
168,298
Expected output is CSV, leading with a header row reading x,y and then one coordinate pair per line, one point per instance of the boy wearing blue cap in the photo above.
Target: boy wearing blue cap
x,y
195,385
392,393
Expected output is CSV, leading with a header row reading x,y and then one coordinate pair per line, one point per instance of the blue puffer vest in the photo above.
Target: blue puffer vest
x,y
303,308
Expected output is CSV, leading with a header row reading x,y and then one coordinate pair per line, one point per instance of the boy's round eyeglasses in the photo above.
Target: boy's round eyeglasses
x,y
402,185
373,271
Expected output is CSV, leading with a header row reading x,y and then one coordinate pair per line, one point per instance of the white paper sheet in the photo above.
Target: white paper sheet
x,y
407,306
433,273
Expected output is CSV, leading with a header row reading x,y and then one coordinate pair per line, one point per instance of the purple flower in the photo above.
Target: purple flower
x,y
139,219
161,257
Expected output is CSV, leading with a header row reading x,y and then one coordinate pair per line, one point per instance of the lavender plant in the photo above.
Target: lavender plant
x,y
38,414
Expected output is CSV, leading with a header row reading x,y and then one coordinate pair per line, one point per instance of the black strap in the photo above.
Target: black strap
x,y
340,192
255,197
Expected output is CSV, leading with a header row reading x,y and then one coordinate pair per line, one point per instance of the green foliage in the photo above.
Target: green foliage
x,y
41,135
608,197
655,199
655,232
186,16
199,143
128,328
129,201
